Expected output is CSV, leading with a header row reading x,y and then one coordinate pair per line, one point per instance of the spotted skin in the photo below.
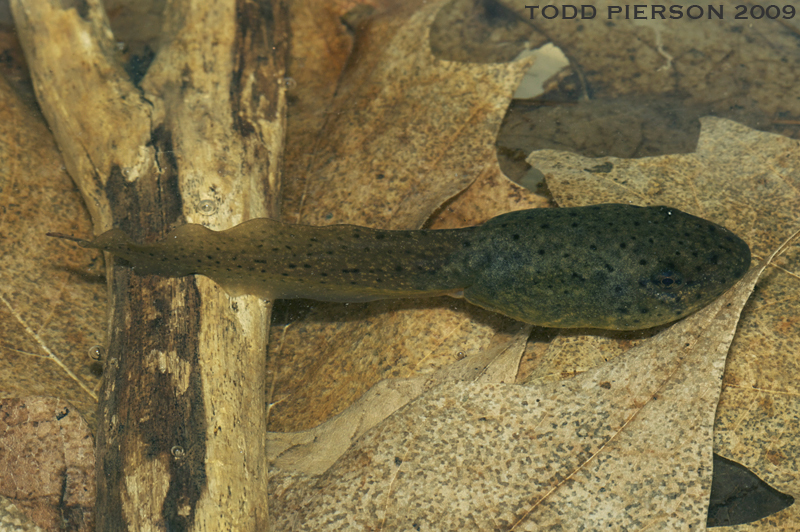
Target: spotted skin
x,y
604,266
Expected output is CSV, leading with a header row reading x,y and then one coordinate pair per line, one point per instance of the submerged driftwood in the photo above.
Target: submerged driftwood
x,y
180,439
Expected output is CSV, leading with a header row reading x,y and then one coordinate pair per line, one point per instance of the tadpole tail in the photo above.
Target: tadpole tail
x,y
82,241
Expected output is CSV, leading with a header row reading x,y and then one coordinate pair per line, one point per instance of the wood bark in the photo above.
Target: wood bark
x,y
180,441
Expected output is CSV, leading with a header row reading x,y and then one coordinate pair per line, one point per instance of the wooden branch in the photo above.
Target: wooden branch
x,y
182,418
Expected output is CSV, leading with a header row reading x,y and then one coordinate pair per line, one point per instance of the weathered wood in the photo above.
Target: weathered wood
x,y
180,445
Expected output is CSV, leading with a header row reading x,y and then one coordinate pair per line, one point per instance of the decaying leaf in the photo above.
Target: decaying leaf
x,y
47,459
12,519
341,168
739,69
47,328
313,451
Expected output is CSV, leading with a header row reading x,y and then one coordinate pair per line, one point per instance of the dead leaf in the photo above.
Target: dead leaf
x,y
47,329
636,87
406,130
758,423
47,459
12,519
743,69
313,451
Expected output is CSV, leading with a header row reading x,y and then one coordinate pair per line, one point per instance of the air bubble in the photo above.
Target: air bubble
x,y
207,207
96,352
288,83
178,452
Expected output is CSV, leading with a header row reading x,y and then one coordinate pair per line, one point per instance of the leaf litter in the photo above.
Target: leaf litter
x,y
747,416
47,327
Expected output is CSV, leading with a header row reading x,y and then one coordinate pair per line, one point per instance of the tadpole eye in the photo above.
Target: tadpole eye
x,y
667,279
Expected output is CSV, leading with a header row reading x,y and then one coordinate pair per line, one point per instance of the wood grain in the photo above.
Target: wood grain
x,y
181,417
